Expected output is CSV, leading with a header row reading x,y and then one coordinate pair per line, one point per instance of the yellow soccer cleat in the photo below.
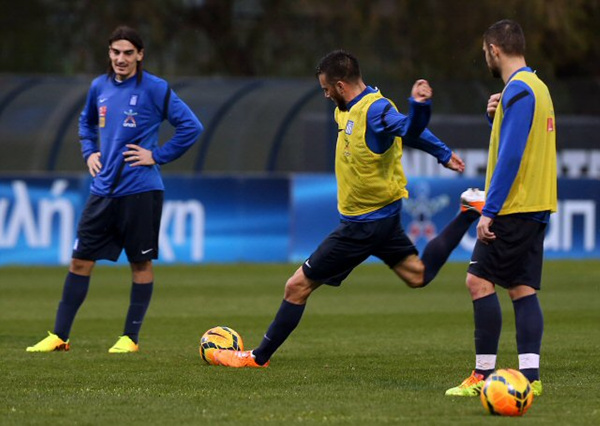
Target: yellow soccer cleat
x,y
124,346
471,386
50,343
536,387
472,199
236,359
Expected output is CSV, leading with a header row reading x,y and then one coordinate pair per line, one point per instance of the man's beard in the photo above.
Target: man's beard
x,y
495,72
340,104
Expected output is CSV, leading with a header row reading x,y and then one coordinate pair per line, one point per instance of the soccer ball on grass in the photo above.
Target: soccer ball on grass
x,y
506,392
219,338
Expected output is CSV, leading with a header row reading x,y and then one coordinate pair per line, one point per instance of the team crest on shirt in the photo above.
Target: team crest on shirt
x,y
349,127
130,119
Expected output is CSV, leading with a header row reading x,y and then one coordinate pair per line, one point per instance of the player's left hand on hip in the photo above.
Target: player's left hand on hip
x,y
138,156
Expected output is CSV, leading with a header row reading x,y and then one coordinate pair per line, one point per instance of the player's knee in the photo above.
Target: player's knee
x,y
415,281
81,267
412,273
297,289
478,287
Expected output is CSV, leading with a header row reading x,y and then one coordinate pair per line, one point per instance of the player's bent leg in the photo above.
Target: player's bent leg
x,y
411,270
297,290
299,287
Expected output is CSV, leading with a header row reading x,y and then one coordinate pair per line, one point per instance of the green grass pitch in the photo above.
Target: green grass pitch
x,y
371,352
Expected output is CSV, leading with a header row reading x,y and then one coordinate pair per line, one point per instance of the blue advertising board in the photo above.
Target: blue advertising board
x,y
262,219
573,232
224,219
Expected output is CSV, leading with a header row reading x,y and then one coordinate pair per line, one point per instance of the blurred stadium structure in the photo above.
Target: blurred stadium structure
x,y
269,125
258,185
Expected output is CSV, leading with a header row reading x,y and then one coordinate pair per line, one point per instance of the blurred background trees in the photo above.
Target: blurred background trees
x,y
439,39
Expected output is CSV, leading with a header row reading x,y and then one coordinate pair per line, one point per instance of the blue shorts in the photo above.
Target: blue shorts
x,y
109,225
351,243
515,257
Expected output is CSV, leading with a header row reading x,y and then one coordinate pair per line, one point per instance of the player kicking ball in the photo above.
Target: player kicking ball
x,y
371,185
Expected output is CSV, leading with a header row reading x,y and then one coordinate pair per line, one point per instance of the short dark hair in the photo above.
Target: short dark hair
x,y
124,32
339,65
508,36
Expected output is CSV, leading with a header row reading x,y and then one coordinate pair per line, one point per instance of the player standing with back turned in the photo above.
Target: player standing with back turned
x,y
520,195
124,110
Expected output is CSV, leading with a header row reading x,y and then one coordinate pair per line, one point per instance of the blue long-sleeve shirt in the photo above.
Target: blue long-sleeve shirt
x,y
518,104
120,113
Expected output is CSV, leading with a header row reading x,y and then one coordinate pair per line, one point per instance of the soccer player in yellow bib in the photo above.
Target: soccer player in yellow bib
x,y
520,195
371,186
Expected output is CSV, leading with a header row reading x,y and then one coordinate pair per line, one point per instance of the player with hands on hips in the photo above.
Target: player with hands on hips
x,y
118,130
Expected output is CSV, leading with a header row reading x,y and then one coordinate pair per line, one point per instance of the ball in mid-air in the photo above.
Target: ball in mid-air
x,y
219,338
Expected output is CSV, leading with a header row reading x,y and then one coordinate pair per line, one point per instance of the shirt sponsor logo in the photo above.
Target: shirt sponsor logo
x,y
130,119
102,116
349,127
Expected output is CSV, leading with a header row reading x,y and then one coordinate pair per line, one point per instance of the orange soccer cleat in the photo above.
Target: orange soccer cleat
x,y
472,199
236,359
471,386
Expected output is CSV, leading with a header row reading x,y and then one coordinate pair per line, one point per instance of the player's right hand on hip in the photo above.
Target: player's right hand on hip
x,y
94,164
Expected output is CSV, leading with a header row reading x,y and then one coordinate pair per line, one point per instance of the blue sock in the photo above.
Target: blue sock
x,y
285,322
438,250
529,322
488,325
138,305
74,292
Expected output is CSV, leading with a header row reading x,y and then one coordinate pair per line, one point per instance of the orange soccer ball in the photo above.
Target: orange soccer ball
x,y
219,338
507,392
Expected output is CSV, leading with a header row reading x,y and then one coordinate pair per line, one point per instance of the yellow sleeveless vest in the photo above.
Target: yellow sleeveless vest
x,y
534,188
366,181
